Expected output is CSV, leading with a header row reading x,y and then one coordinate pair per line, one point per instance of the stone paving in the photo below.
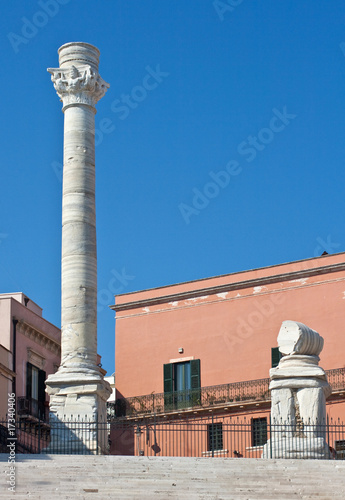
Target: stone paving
x,y
104,477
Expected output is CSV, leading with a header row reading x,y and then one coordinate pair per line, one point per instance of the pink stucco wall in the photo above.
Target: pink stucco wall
x,y
12,306
231,331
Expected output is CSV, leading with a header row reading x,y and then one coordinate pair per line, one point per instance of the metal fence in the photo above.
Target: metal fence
x,y
75,436
225,436
193,436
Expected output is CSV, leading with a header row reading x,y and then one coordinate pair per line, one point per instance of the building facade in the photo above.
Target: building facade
x,y
188,350
30,347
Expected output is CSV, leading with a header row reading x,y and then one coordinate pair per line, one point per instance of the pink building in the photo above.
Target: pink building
x,y
190,348
30,351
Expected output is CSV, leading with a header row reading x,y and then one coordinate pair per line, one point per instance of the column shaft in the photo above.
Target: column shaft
x,y
79,255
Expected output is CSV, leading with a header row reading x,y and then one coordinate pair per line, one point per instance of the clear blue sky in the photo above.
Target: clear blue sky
x,y
253,89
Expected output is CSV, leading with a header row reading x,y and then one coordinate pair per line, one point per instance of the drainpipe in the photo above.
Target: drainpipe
x,y
15,321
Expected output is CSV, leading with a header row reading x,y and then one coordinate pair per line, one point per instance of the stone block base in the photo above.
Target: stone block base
x,y
79,426
78,415
296,447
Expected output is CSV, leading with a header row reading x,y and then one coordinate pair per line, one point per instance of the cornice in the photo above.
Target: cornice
x,y
39,337
239,285
4,370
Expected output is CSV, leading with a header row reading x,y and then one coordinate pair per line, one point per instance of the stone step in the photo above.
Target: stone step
x,y
104,477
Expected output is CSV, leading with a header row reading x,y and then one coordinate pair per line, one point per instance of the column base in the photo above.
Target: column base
x,y
296,447
78,413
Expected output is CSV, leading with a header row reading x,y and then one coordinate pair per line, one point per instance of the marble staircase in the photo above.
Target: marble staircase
x,y
114,477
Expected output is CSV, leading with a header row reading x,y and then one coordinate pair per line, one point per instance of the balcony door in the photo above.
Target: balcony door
x,y
182,384
35,390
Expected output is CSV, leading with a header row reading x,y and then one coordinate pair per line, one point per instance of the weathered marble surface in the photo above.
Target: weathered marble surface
x,y
78,387
296,447
299,389
297,338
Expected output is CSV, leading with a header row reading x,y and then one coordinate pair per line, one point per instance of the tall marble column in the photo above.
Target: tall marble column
x,y
78,388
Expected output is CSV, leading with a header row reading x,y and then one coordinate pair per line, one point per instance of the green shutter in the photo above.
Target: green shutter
x,y
168,377
195,373
195,381
41,393
168,386
276,355
28,379
41,386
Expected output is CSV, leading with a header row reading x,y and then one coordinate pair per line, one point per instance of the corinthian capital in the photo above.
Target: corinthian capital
x,y
78,85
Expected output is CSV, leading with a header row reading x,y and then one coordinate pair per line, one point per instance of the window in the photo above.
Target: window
x,y
181,384
259,431
35,390
276,356
340,449
215,437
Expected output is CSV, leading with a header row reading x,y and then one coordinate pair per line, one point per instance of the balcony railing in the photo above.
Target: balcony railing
x,y
336,379
252,390
29,407
205,397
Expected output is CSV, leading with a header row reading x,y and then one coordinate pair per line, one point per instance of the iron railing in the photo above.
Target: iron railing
x,y
247,391
213,435
224,436
252,390
336,379
29,407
